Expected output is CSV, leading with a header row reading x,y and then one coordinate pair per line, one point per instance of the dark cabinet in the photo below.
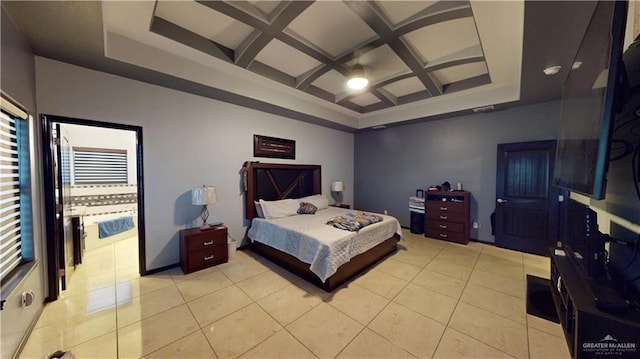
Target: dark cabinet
x,y
447,216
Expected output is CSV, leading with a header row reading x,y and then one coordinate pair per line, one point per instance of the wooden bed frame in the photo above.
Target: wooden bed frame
x,y
271,182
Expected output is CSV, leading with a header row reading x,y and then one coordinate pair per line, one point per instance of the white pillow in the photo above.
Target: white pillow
x,y
317,200
259,212
281,208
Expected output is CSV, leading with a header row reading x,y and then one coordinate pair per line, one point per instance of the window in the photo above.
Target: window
x,y
14,185
99,165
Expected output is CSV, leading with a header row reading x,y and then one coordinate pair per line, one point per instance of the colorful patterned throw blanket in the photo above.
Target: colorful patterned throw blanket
x,y
354,221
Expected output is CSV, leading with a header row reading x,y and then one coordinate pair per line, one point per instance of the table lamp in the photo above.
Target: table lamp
x,y
203,196
338,187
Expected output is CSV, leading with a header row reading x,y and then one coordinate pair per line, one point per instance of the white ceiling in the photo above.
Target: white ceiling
x,y
318,44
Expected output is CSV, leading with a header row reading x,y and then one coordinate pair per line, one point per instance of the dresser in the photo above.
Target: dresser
x,y
447,216
203,249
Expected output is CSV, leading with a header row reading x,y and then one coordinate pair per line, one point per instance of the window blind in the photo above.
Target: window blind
x,y
10,225
99,166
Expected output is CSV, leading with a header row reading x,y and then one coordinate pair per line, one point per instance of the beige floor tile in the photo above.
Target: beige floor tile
x,y
206,283
449,269
440,283
547,346
147,284
409,330
211,307
324,330
425,301
457,345
82,284
500,266
147,305
506,254
545,326
241,270
280,345
380,283
263,284
459,255
289,303
368,344
101,347
514,287
237,333
73,331
357,302
398,269
192,346
150,334
495,302
81,305
412,256
492,329
537,271
178,276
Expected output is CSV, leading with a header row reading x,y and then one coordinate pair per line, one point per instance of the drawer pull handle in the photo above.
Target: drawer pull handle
x,y
443,235
444,217
443,226
208,258
444,208
207,243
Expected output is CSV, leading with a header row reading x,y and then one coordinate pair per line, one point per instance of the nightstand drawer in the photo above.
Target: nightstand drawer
x,y
204,240
207,257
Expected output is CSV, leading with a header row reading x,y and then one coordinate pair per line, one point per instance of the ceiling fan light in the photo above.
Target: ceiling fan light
x,y
358,80
357,83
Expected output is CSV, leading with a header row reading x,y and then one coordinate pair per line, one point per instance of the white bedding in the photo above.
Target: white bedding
x,y
308,238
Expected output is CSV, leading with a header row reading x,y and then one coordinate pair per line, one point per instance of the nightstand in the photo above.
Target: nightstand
x,y
341,205
203,249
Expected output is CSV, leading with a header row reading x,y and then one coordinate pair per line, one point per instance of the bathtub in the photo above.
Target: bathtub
x,y
92,240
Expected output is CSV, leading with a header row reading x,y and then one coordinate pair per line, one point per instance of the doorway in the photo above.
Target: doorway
x,y
87,181
527,204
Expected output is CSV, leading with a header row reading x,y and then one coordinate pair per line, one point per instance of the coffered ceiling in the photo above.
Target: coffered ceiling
x,y
424,59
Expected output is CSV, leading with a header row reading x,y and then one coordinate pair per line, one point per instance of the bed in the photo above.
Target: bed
x,y
304,244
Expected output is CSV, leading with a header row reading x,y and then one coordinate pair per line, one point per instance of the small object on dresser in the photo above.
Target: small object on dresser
x,y
341,205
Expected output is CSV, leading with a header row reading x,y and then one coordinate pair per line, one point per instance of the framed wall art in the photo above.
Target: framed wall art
x,y
264,146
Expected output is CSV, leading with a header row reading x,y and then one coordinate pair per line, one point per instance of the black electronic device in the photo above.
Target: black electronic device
x,y
581,238
591,98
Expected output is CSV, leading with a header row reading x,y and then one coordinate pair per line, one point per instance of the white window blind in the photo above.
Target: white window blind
x,y
99,165
10,225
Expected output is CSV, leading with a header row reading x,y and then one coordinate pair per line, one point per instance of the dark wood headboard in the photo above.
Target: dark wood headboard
x,y
275,181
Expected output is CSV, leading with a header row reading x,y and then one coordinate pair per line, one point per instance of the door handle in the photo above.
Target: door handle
x,y
500,200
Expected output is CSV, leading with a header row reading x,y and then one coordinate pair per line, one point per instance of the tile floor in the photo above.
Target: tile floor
x,y
431,299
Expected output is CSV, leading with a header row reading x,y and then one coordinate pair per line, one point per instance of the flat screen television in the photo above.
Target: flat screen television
x,y
590,101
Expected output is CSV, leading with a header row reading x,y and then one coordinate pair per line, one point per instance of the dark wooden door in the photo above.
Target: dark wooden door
x,y
527,205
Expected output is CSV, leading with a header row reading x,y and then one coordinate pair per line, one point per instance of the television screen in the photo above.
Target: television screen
x,y
589,103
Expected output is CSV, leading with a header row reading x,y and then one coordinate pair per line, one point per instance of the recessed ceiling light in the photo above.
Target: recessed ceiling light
x,y
552,70
576,65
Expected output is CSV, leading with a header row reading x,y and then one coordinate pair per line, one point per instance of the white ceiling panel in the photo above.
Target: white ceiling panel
x,y
286,59
332,27
405,87
365,99
398,11
203,21
460,72
266,7
332,81
442,39
382,63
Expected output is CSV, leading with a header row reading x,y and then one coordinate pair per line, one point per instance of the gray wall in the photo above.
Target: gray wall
x,y
188,141
18,83
391,164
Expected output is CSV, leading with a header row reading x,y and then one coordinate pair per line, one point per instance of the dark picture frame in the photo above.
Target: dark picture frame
x,y
273,147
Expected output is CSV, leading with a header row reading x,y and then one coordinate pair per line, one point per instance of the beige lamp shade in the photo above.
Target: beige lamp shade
x,y
337,186
203,195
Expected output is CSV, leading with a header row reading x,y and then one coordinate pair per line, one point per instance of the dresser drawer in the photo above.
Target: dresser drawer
x,y
206,239
458,237
207,257
445,226
445,207
439,216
